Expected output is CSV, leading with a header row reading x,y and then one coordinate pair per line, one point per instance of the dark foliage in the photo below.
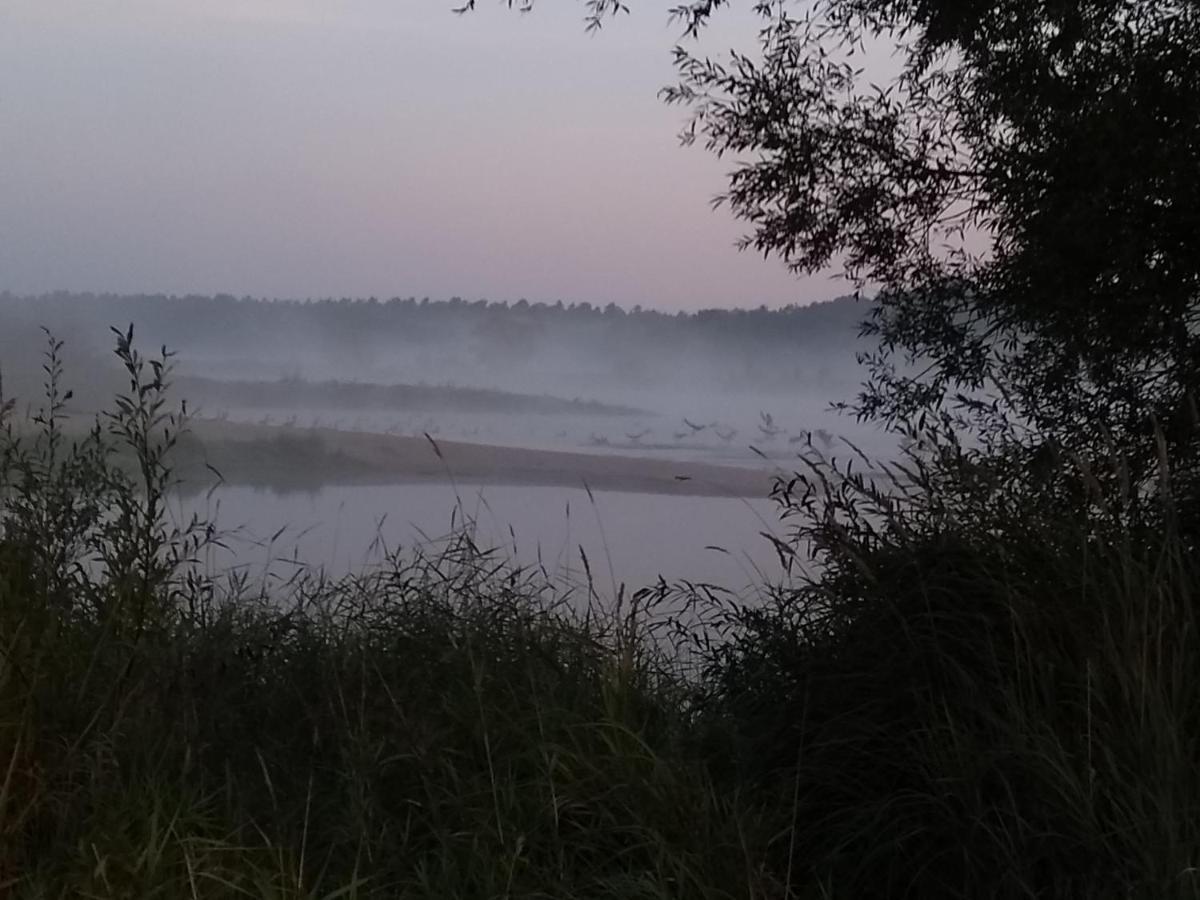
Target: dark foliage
x,y
1023,193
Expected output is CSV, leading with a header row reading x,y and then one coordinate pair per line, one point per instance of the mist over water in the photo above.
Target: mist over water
x,y
342,422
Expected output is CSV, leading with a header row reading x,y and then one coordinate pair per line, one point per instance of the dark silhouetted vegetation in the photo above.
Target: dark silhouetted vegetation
x,y
1020,199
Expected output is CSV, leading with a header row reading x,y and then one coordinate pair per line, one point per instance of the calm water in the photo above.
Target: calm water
x,y
641,536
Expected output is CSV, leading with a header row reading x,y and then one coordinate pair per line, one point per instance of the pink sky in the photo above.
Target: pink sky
x,y
353,147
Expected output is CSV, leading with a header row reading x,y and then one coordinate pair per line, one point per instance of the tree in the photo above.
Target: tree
x,y
1024,195
1021,195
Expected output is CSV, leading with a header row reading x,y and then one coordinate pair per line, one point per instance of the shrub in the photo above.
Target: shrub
x,y
970,699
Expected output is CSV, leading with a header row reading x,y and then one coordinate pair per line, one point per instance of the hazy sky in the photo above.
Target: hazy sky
x,y
351,147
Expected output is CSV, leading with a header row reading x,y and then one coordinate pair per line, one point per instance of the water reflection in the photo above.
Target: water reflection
x,y
626,537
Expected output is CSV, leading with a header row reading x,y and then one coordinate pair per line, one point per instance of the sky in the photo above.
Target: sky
x,y
310,148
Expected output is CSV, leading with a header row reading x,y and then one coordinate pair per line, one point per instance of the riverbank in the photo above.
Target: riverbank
x,y
284,457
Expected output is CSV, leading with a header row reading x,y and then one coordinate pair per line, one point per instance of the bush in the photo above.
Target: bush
x,y
972,701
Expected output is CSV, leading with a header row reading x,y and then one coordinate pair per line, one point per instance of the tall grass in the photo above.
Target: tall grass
x,y
446,726
976,694
994,697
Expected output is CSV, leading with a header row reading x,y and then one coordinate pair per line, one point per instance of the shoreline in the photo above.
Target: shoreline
x,y
300,458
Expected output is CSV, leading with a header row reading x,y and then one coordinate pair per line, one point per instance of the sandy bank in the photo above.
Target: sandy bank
x,y
245,453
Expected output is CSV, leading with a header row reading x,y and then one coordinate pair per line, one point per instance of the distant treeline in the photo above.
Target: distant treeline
x,y
455,338
210,313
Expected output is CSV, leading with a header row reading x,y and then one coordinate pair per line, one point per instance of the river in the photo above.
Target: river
x,y
629,538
